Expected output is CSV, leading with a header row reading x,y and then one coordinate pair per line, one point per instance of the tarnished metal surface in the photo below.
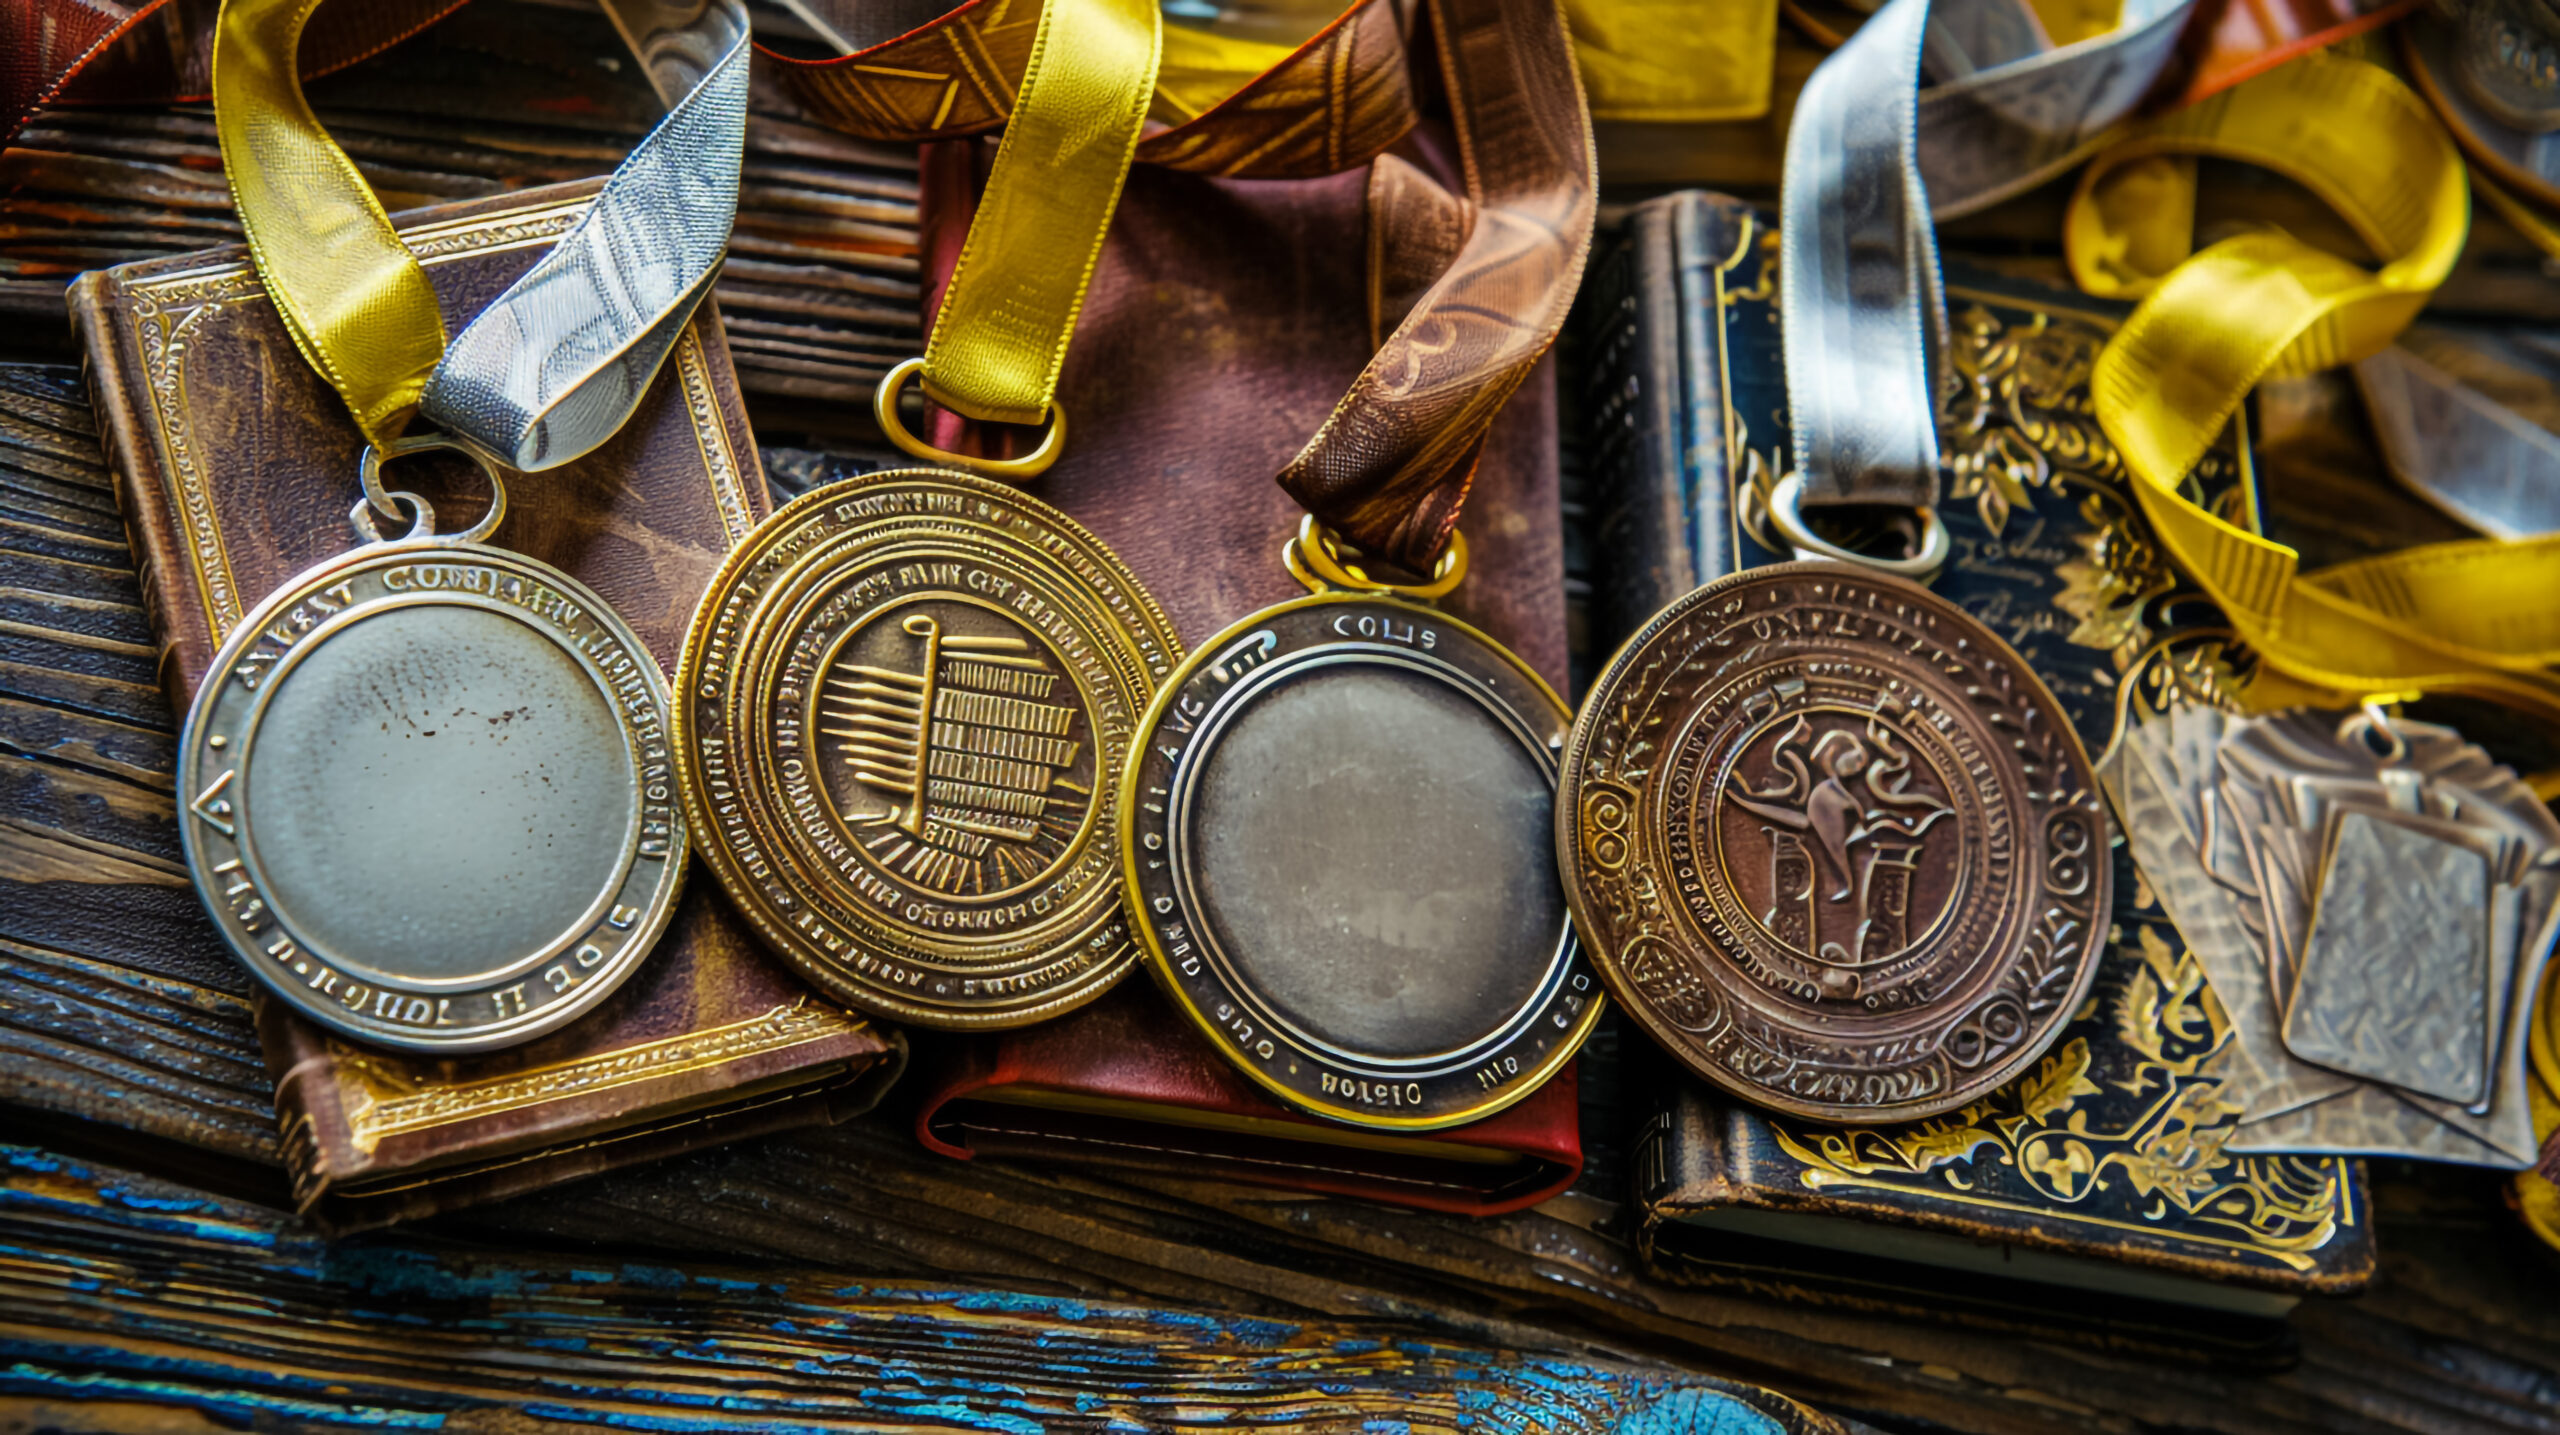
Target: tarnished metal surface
x,y
1834,845
1338,835
428,796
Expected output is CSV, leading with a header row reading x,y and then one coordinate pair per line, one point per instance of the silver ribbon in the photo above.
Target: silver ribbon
x,y
1860,297
2488,466
553,366
2016,120
1858,291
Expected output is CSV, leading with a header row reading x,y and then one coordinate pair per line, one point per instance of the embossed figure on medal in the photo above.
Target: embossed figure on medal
x,y
1837,848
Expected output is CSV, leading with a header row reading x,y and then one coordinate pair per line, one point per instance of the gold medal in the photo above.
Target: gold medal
x,y
903,706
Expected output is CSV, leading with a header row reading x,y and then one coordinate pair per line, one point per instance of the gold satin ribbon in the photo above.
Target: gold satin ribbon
x,y
1014,295
1201,68
355,300
2536,227
1668,62
2537,1199
2475,617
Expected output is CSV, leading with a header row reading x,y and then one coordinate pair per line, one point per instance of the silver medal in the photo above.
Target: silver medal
x,y
428,793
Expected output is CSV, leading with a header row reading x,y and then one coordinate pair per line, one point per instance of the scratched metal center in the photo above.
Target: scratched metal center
x,y
1337,835
1346,823
426,795
458,769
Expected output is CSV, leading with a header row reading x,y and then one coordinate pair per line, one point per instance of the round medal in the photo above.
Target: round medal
x,y
1834,845
1337,843
906,700
429,796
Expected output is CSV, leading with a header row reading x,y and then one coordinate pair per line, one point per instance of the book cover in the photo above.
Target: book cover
x,y
2103,1168
234,467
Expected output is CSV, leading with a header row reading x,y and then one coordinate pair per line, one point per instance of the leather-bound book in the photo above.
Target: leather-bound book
x,y
235,466
2092,1198
1125,1083
1226,319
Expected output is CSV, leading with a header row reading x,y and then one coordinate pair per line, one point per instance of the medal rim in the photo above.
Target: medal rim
x,y
739,889
1569,783
1159,962
645,933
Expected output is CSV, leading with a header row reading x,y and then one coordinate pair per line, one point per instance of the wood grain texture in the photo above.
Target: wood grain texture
x,y
2458,1333
90,871
819,294
122,1289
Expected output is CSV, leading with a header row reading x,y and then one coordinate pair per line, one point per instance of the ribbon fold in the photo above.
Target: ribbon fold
x,y
2473,617
552,367
1012,301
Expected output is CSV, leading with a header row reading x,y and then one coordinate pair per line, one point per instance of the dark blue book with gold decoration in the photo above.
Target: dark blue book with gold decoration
x,y
2093,1197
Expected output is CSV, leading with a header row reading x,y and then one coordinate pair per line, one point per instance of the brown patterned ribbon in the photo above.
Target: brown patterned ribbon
x,y
929,73
1390,468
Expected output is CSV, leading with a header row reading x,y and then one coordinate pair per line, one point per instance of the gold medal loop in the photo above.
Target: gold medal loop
x,y
884,407
1011,305
1318,558
392,503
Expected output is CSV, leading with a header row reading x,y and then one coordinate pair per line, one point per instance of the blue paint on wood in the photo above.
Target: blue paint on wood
x,y
22,1380
923,1355
1697,1412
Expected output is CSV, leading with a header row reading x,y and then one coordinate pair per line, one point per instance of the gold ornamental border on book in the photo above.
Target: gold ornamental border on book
x,y
175,312
1834,845
902,710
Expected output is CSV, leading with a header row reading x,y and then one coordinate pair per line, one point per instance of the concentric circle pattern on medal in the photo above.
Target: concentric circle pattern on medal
x,y
903,707
1337,846
1834,845
430,796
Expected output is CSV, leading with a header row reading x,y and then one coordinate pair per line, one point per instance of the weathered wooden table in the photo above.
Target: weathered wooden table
x,y
847,1279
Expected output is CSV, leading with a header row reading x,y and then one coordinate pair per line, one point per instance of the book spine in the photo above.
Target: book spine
x,y
1640,543
110,369
1704,232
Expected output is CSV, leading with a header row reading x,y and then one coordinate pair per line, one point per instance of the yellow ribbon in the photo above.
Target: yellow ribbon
x,y
1201,68
355,300
1668,62
1020,281
2537,1199
2473,617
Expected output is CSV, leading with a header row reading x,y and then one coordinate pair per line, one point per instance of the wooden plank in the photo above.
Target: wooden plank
x,y
93,893
118,1288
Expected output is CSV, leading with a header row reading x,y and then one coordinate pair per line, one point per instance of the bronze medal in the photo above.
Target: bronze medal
x,y
1834,844
903,705
1336,829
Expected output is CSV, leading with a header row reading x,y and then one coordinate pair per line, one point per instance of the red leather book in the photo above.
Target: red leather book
x,y
1225,320
1126,1083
